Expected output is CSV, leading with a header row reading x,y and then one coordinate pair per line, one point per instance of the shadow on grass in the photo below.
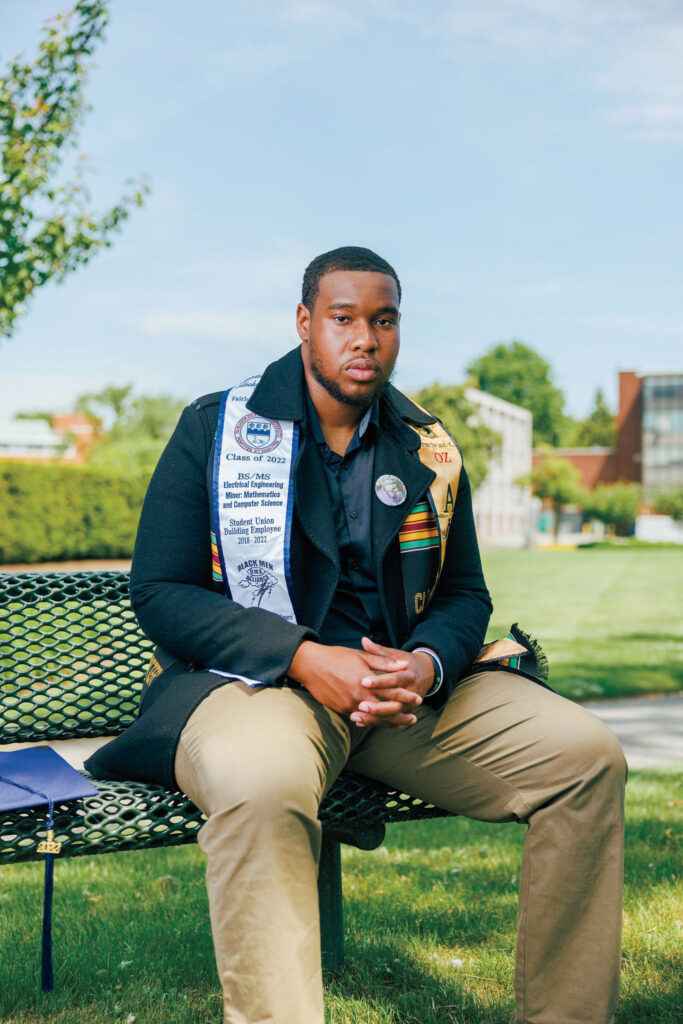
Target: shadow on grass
x,y
467,910
657,638
616,680
384,975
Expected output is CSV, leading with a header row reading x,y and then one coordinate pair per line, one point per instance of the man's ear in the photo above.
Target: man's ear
x,y
303,321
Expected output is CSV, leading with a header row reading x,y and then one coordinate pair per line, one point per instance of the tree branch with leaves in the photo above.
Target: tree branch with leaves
x,y
46,227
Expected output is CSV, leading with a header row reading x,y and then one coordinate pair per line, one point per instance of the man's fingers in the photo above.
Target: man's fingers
x,y
396,721
381,663
388,680
393,693
384,708
372,648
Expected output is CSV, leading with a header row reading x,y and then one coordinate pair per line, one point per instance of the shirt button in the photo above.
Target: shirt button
x,y
353,564
353,514
346,465
326,450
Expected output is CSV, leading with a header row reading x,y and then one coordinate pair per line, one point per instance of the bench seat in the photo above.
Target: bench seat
x,y
72,664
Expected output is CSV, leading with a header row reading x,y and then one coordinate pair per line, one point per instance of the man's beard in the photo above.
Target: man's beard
x,y
335,391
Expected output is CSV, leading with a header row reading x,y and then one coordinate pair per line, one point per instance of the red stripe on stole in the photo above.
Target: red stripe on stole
x,y
427,528
413,519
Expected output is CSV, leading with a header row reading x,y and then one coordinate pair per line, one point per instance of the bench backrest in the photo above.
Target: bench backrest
x,y
72,656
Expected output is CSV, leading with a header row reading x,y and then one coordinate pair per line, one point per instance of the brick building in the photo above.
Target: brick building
x,y
649,446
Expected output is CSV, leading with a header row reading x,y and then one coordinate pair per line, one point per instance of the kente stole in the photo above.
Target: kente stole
x,y
425,530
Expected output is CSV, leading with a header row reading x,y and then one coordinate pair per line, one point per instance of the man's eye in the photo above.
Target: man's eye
x,y
341,318
385,320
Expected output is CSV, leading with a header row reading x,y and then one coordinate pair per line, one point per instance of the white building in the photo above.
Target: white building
x,y
30,440
502,509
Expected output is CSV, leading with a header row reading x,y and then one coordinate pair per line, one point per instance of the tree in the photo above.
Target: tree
x,y
670,503
126,415
39,414
136,427
615,505
477,442
598,428
46,228
105,407
557,480
568,431
127,456
520,375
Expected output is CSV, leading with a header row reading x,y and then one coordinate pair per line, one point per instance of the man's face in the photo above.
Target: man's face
x,y
351,336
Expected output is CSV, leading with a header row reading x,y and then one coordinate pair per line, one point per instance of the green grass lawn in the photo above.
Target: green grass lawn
x,y
609,620
430,923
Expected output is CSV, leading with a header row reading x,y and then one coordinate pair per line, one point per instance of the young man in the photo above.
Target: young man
x,y
307,563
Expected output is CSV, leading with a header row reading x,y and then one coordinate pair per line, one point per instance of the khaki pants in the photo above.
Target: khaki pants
x,y
258,763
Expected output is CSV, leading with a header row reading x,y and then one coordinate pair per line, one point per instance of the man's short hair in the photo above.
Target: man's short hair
x,y
347,257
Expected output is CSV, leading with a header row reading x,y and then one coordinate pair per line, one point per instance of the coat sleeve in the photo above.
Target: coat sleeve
x,y
171,590
459,611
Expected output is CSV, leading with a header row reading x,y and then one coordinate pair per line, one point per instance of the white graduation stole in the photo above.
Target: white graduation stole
x,y
253,499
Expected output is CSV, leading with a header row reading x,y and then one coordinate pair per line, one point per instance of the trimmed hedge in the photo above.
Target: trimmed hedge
x,y
54,512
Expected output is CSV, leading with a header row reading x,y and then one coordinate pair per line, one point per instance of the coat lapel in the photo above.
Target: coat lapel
x,y
312,499
391,458
280,395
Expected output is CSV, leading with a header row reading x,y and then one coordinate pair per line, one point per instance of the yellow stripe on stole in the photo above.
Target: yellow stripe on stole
x,y
439,452
418,535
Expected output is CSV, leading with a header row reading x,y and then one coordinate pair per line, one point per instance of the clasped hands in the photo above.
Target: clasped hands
x,y
375,686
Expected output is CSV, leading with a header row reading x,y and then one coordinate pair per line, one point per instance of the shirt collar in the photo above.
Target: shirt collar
x,y
368,425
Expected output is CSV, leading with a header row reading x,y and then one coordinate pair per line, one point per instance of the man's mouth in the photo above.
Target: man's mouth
x,y
363,369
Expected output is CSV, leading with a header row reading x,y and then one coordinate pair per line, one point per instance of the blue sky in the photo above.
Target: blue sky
x,y
519,162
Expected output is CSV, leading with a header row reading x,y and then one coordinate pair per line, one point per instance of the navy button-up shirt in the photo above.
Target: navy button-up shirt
x,y
355,610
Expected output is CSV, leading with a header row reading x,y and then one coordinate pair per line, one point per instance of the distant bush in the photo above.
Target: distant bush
x,y
555,479
670,503
615,505
53,512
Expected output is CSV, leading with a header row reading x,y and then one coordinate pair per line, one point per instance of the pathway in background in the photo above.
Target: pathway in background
x,y
650,729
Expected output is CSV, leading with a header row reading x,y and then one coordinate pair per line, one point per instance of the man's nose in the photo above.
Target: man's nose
x,y
364,337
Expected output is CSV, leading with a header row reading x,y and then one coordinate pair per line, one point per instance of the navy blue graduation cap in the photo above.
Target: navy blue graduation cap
x,y
31,778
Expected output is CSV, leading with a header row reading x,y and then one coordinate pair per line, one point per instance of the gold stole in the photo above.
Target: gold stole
x,y
439,452
424,532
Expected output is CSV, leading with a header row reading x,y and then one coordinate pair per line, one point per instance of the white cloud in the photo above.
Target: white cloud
x,y
249,61
28,390
629,51
247,325
270,273
645,75
540,289
638,323
320,14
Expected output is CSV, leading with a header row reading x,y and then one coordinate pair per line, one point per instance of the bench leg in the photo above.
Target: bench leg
x,y
331,909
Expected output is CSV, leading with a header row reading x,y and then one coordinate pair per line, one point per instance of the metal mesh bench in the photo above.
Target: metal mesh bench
x,y
72,663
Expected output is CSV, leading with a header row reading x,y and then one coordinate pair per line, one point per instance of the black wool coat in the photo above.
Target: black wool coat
x,y
198,626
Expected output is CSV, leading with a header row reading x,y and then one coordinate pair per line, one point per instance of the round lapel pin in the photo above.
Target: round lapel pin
x,y
390,490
